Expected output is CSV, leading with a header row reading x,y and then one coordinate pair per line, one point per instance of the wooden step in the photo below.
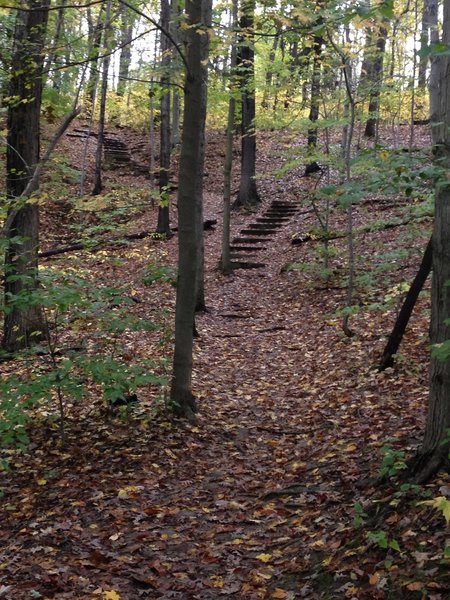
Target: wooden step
x,y
258,231
247,265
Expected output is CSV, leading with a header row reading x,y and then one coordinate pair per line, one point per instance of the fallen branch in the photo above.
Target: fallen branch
x,y
89,245
387,360
299,239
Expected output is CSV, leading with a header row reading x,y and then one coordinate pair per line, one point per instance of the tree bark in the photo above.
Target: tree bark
x,y
94,42
23,326
248,194
98,186
126,36
54,58
189,196
163,225
433,453
376,77
225,260
315,93
433,85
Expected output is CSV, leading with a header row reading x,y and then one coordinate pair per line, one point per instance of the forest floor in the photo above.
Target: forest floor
x,y
273,493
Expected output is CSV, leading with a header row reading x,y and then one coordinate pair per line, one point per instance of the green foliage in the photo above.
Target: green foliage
x,y
393,461
89,318
381,539
160,273
360,515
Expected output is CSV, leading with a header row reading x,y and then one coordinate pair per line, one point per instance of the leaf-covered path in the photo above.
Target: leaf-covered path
x,y
257,499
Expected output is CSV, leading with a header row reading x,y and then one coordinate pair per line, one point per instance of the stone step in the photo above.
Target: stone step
x,y
264,226
284,203
237,248
249,240
258,231
279,220
247,265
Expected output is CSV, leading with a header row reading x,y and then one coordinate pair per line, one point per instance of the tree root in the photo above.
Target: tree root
x,y
425,465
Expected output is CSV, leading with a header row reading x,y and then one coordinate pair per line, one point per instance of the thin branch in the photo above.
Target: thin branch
x,y
161,29
33,183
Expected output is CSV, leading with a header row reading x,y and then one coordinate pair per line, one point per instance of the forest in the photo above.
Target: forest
x,y
225,299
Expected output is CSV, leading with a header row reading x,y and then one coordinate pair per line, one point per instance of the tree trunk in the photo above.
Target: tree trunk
x,y
269,72
101,119
315,102
434,69
395,339
174,28
376,77
22,326
225,260
94,42
433,453
189,196
126,36
248,193
424,39
163,226
54,58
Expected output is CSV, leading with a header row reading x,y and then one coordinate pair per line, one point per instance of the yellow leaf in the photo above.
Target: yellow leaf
x,y
415,586
41,481
351,448
384,155
265,558
373,579
122,494
237,542
111,595
440,503
217,581
170,453
279,594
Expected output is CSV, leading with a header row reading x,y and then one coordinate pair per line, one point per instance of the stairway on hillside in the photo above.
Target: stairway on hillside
x,y
245,247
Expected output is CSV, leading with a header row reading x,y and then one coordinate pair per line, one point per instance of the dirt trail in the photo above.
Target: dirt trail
x,y
248,502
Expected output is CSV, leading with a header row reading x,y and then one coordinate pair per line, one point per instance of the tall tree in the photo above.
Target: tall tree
x,y
435,448
125,39
22,325
163,225
98,186
198,14
376,77
54,57
95,30
433,9
248,194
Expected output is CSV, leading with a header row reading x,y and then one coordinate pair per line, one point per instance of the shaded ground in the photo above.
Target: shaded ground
x,y
257,500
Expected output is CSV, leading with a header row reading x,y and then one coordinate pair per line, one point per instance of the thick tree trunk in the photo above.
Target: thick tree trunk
x,y
163,225
22,326
433,453
248,193
395,339
189,196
